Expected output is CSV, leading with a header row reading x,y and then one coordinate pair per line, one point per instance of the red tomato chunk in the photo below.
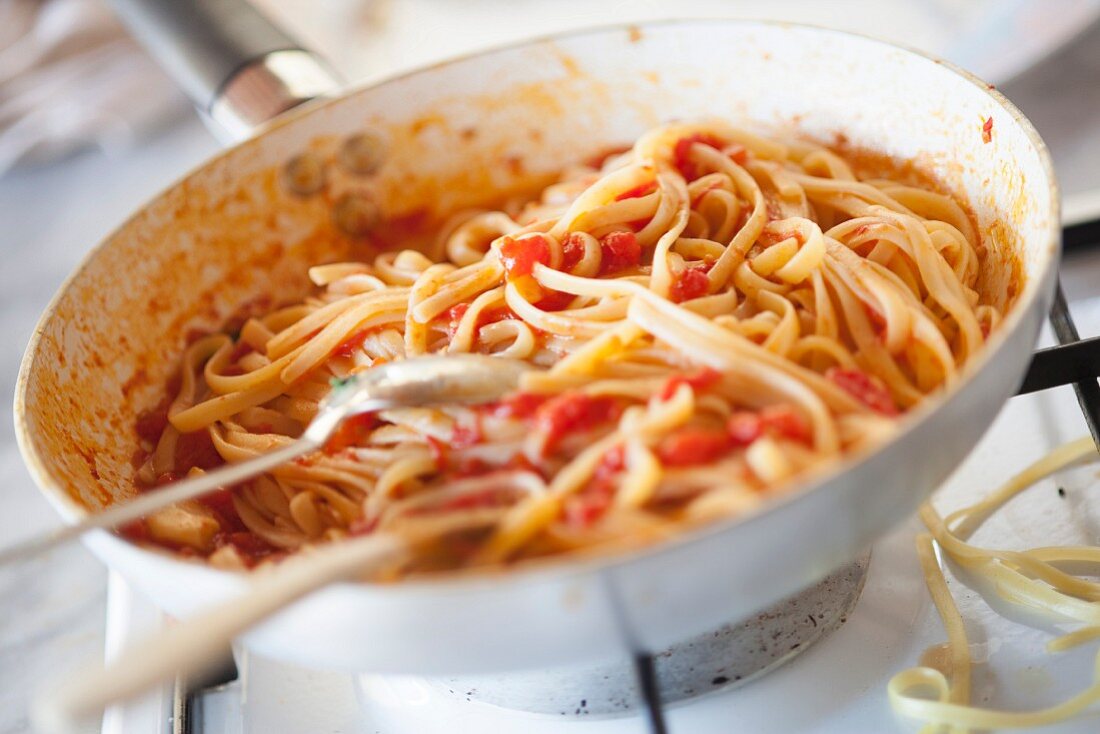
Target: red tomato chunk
x,y
573,412
864,388
620,251
518,405
583,509
692,283
611,464
744,427
519,256
572,251
682,151
782,421
692,446
700,380
786,422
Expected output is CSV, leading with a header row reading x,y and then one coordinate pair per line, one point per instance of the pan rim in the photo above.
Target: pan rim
x,y
1037,288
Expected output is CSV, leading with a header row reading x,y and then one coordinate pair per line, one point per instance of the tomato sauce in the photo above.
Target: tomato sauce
x,y
250,547
467,434
240,350
463,436
491,497
554,300
250,309
352,344
196,449
438,450
493,315
737,153
638,191
135,531
151,423
407,231
878,321
220,501
453,316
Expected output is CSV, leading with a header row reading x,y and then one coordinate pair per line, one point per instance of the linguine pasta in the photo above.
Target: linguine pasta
x,y
1033,579
708,316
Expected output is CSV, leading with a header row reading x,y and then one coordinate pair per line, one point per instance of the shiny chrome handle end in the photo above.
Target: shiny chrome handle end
x,y
239,68
267,87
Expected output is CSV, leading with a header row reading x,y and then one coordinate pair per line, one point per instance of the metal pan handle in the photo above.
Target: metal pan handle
x,y
238,68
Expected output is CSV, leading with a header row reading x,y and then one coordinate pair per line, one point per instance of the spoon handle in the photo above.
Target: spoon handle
x,y
186,647
170,494
316,433
421,381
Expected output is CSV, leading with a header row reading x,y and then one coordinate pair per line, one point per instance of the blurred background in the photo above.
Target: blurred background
x,y
71,79
90,128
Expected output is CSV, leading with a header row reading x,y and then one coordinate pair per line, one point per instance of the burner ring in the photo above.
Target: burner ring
x,y
729,656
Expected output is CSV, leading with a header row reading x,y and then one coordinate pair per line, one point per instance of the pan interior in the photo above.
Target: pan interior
x,y
457,135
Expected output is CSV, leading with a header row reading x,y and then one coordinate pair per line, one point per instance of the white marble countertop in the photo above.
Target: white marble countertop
x,y
52,610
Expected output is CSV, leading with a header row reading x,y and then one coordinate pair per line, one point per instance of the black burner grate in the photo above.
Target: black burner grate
x,y
1071,360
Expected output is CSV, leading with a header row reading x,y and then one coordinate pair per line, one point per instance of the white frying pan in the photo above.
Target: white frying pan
x,y
232,230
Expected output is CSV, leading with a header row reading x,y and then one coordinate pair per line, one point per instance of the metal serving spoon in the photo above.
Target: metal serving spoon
x,y
191,645
433,380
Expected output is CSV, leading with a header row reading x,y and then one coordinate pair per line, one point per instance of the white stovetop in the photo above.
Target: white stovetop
x,y
52,611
